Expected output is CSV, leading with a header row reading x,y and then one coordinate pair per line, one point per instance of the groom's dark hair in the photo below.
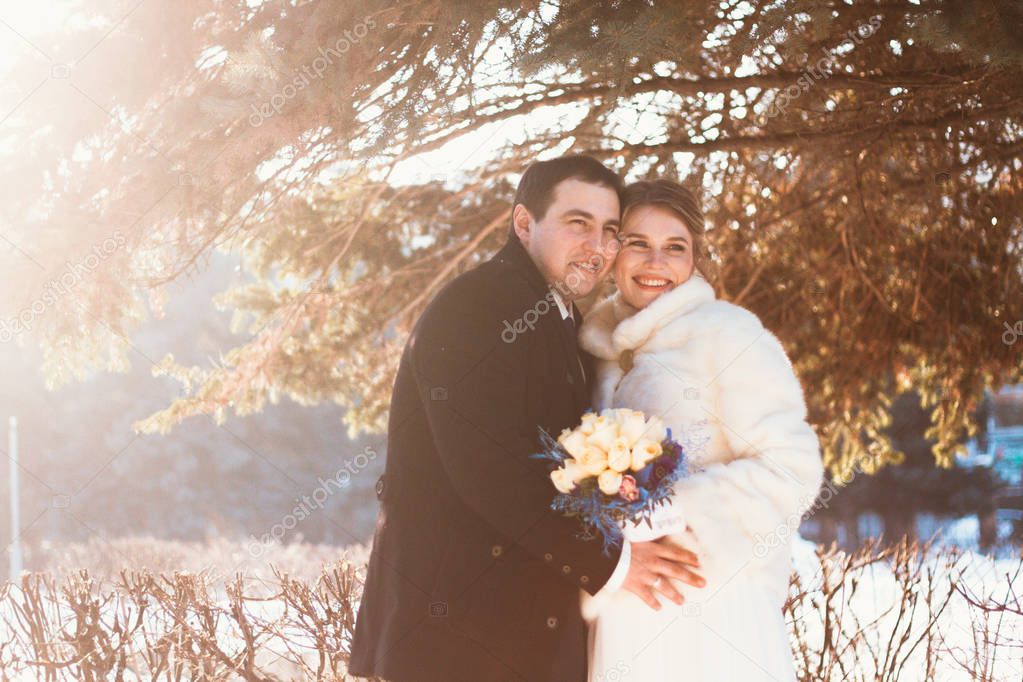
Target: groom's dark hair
x,y
536,187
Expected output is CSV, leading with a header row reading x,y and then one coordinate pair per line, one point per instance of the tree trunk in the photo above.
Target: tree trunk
x,y
897,524
988,529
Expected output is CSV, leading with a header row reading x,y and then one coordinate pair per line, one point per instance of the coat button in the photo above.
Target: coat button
x,y
584,579
566,569
496,550
548,557
552,622
380,487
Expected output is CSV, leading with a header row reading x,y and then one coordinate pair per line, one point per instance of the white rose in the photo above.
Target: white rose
x,y
619,457
593,461
562,481
609,482
655,429
603,437
574,471
643,451
632,427
587,423
574,444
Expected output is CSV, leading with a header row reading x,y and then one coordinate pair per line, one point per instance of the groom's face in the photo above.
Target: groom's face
x,y
575,241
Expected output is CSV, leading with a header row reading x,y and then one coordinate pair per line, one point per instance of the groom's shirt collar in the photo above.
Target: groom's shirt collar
x,y
566,312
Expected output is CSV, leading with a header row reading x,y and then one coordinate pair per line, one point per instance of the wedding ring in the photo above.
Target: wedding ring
x,y
657,581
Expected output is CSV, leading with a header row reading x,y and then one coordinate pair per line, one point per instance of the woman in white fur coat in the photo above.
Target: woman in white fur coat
x,y
666,346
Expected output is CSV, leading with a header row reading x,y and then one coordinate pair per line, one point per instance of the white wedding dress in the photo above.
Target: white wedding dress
x,y
726,388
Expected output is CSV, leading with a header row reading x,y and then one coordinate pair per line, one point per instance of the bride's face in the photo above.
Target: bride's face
x,y
656,254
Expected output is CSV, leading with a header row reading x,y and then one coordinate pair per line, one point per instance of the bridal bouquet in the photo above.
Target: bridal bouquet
x,y
615,472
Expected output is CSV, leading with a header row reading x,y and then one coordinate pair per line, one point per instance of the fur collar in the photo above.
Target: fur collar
x,y
614,326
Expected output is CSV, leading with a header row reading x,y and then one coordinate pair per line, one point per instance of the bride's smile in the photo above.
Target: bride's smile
x,y
656,254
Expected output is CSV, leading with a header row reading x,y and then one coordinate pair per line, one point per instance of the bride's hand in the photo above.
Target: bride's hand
x,y
652,563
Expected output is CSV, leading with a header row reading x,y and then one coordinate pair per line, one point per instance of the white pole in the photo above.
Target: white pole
x,y
12,442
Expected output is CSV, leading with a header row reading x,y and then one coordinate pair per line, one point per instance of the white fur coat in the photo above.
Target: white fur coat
x,y
725,386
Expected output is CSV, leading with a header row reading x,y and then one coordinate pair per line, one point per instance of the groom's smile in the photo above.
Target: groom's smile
x,y
589,268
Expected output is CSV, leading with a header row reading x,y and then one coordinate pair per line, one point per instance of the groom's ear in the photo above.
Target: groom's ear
x,y
522,222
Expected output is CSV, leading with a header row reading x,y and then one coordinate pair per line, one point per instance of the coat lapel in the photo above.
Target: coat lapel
x,y
552,324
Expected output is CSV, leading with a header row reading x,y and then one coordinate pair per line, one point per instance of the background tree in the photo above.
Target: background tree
x,y
898,495
860,164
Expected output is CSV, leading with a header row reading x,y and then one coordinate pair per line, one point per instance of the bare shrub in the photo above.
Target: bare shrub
x,y
896,612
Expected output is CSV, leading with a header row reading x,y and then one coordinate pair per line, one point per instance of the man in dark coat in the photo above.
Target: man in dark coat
x,y
472,576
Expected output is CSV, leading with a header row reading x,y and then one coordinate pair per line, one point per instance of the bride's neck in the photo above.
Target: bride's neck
x,y
623,308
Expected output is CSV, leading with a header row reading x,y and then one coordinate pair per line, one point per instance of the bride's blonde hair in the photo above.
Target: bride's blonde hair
x,y
684,203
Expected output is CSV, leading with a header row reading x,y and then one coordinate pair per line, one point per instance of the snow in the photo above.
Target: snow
x,y
965,636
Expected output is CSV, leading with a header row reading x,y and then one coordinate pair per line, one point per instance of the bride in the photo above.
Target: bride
x,y
667,346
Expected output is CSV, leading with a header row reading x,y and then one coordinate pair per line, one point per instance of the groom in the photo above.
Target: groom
x,y
472,576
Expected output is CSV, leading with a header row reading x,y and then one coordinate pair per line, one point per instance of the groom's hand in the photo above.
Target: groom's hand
x,y
651,566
